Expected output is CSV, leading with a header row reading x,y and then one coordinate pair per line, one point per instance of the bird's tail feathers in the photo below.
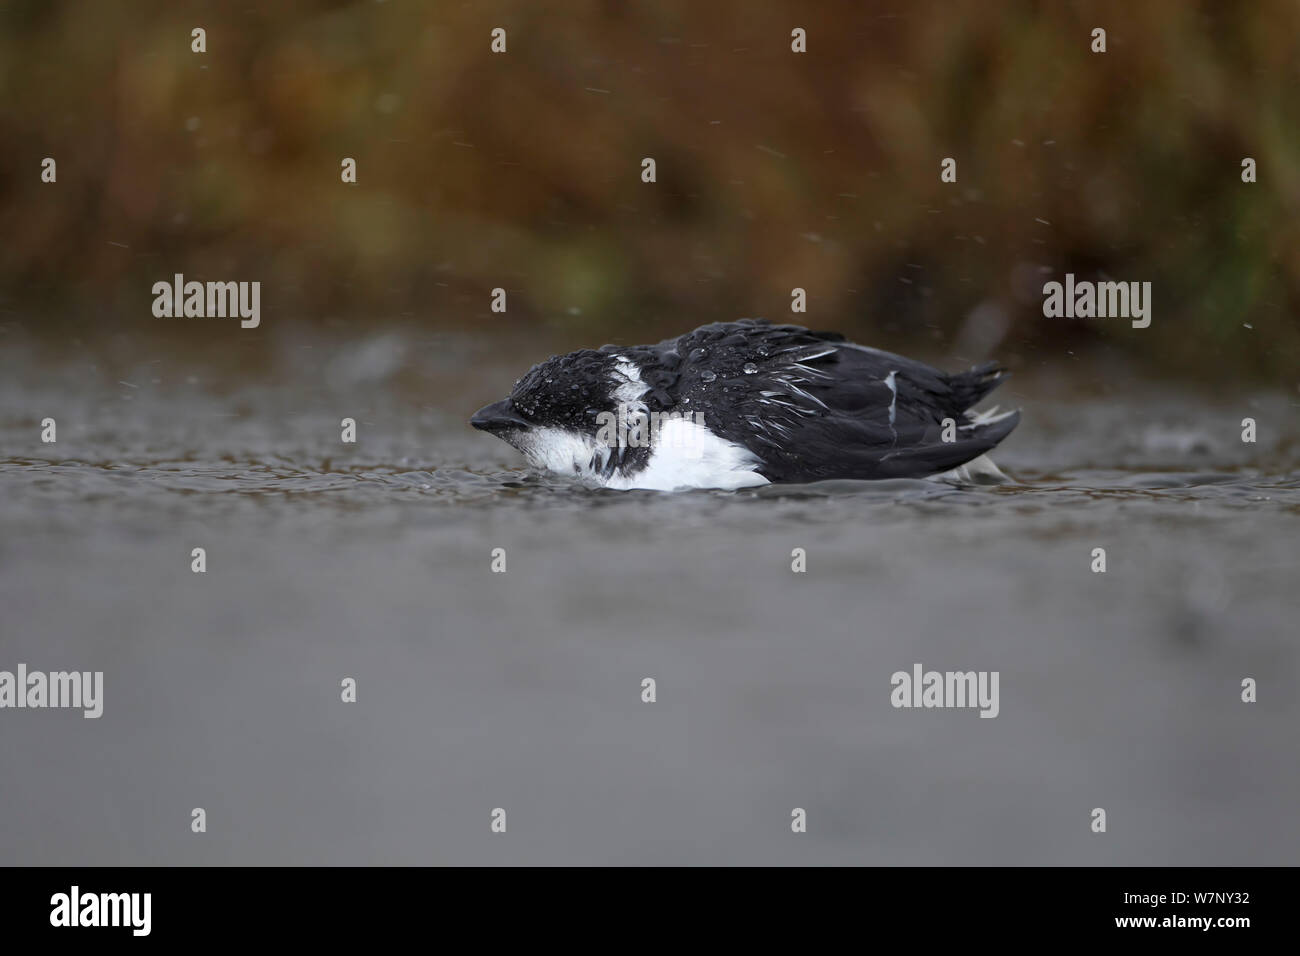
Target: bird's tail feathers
x,y
968,388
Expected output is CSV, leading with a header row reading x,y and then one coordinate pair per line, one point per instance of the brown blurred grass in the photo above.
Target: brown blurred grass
x,y
775,170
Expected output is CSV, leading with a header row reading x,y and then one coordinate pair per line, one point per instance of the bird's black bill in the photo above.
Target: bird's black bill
x,y
498,416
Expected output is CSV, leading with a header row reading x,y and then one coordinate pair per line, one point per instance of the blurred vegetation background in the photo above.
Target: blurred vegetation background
x,y
775,169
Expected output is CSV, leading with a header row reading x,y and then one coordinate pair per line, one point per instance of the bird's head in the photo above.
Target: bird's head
x,y
558,413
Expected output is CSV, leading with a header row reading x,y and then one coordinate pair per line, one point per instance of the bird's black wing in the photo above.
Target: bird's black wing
x,y
812,406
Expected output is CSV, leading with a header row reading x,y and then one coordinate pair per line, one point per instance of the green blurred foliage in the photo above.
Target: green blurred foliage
x,y
775,169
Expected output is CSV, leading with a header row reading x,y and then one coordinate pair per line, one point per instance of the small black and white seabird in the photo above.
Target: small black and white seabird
x,y
739,404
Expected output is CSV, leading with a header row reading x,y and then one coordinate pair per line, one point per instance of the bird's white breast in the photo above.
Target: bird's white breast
x,y
687,455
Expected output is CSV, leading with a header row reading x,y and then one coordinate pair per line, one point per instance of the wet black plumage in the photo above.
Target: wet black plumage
x,y
812,406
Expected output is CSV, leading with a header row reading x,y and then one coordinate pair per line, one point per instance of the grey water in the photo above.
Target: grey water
x,y
523,690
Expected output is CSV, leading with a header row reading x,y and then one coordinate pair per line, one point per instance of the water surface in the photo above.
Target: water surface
x,y
523,690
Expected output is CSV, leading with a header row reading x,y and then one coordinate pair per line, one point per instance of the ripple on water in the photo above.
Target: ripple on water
x,y
376,482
